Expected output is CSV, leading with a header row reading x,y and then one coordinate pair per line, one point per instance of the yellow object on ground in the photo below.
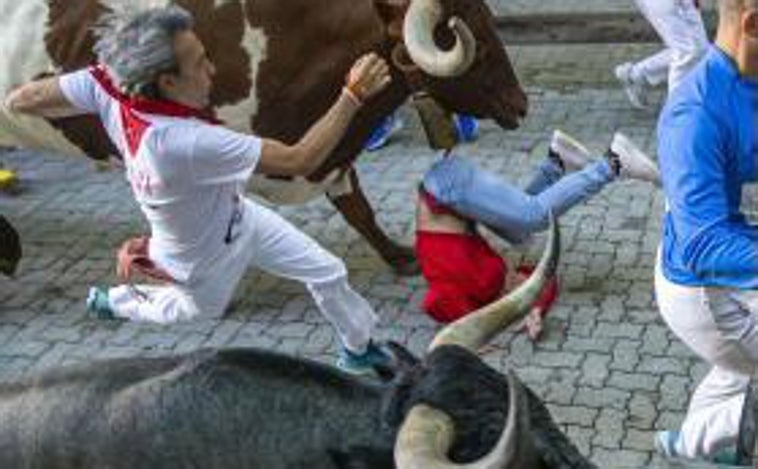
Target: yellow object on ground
x,y
8,179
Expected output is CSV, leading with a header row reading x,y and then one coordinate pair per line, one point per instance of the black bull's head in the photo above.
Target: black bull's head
x,y
251,408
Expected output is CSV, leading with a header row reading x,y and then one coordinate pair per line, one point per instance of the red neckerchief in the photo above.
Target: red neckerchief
x,y
134,125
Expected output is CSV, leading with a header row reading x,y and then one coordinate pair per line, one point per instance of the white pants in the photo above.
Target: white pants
x,y
680,26
721,326
268,242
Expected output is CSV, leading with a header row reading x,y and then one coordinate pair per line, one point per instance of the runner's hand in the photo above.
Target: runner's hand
x,y
368,76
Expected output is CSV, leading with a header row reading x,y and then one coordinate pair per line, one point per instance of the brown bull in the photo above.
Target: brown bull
x,y
281,64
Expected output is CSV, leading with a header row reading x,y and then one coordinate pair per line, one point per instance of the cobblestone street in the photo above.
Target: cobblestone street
x,y
607,366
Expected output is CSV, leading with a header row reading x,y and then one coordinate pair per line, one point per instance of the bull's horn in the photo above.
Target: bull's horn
x,y
478,328
418,33
426,435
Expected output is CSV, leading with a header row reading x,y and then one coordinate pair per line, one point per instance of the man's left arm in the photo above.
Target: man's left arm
x,y
43,98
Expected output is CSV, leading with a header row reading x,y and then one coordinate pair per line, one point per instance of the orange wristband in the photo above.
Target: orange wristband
x,y
352,95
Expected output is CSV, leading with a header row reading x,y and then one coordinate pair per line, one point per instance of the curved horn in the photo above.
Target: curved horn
x,y
426,435
478,328
418,34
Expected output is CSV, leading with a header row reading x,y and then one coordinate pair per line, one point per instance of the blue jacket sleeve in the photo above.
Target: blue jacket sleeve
x,y
713,239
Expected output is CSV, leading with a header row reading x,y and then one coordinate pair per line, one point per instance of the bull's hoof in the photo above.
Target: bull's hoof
x,y
403,261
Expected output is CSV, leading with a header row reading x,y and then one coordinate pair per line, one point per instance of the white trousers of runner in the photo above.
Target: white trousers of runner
x,y
681,28
270,243
721,326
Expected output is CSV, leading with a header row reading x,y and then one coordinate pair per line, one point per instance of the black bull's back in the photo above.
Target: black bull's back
x,y
226,409
249,408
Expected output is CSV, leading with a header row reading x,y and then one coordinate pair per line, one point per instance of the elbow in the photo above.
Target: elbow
x,y
301,163
11,103
18,101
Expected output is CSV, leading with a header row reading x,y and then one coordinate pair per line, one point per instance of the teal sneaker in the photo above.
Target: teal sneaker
x,y
98,304
667,444
361,364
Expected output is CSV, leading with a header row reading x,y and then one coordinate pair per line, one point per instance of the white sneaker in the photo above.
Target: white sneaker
x,y
633,162
636,90
572,153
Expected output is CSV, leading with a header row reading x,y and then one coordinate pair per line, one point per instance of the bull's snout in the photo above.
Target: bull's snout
x,y
510,107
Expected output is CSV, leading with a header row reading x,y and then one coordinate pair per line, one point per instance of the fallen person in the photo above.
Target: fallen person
x,y
463,271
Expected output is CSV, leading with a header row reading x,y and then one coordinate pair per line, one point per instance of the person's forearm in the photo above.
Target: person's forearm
x,y
322,138
41,98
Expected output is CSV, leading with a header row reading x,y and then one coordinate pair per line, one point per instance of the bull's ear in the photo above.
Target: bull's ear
x,y
392,13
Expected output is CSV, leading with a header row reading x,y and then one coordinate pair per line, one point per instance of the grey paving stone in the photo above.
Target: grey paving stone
x,y
662,365
674,395
28,349
558,359
581,437
618,330
619,458
601,398
640,440
223,333
595,370
611,421
573,415
655,340
634,381
642,410
625,356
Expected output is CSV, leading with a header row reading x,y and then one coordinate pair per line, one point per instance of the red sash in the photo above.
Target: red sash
x,y
134,125
133,255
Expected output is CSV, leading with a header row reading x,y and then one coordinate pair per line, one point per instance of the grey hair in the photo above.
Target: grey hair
x,y
137,46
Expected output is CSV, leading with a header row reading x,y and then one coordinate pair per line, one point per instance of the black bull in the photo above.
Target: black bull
x,y
247,408
251,409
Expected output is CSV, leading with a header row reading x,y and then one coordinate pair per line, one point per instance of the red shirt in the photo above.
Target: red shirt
x,y
463,271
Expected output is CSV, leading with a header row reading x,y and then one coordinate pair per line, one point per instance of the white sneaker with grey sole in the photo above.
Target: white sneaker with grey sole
x,y
633,162
572,153
636,91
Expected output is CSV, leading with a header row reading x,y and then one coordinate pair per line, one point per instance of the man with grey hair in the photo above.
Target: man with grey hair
x,y
152,91
706,276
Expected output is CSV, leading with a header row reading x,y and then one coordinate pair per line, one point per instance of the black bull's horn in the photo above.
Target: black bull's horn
x,y
427,434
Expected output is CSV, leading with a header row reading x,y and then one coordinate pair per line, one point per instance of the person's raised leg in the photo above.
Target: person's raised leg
x,y
565,155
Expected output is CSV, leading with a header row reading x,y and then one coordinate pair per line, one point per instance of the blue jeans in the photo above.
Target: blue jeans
x,y
512,213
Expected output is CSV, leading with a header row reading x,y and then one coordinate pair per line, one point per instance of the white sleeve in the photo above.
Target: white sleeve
x,y
81,89
220,155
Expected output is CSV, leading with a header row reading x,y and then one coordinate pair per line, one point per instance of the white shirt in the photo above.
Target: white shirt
x,y
186,174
